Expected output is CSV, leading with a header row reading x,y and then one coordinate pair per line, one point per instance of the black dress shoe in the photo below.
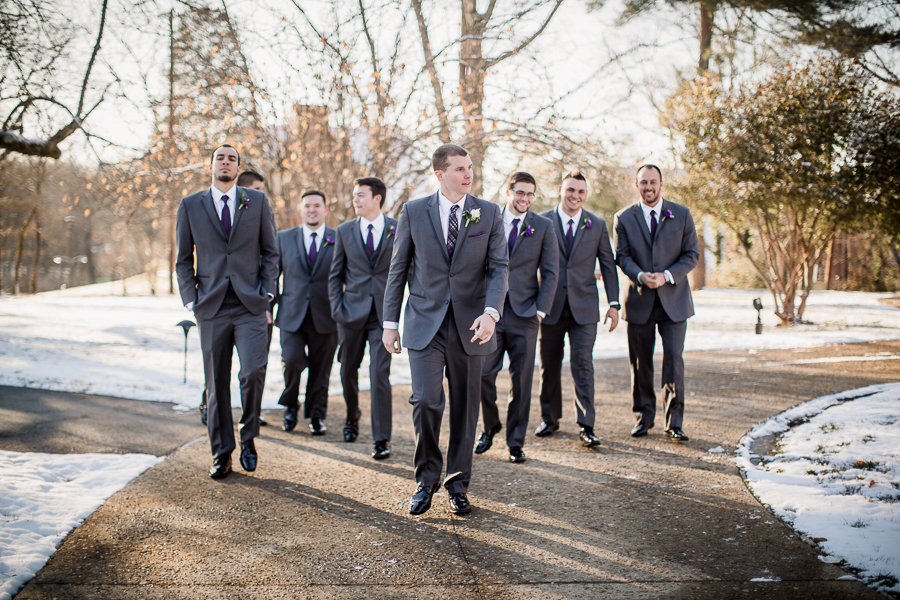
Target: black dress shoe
x,y
248,456
421,500
351,431
202,410
290,418
516,454
676,434
382,450
486,439
459,504
263,422
641,429
317,426
588,438
221,466
545,429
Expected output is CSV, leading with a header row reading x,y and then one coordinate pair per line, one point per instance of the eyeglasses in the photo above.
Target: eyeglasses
x,y
521,194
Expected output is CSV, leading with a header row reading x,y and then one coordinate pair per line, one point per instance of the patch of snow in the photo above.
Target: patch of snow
x,y
717,449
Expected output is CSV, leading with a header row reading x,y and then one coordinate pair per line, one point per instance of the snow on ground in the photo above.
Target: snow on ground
x,y
835,477
131,347
45,496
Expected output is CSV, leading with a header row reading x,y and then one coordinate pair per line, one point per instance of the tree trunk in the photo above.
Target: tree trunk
x,y
20,250
829,266
37,254
172,146
471,87
707,12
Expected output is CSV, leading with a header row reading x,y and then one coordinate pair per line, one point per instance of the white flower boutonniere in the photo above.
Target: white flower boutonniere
x,y
472,216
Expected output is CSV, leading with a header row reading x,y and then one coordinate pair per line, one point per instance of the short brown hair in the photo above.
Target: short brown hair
x,y
212,155
440,160
247,178
573,175
648,166
520,177
313,193
376,185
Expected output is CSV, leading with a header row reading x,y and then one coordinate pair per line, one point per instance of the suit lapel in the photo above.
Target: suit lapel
x,y
237,212
358,244
301,247
580,230
434,211
642,224
524,221
379,252
323,247
210,208
661,222
560,237
467,204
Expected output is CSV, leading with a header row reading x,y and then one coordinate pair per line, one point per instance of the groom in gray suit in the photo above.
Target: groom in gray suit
x,y
359,270
583,240
451,250
231,231
532,249
656,247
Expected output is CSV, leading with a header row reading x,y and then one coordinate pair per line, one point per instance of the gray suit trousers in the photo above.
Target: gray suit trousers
x,y
446,351
307,348
581,345
641,343
516,336
353,347
233,327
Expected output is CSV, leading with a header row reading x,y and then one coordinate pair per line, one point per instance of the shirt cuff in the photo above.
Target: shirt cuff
x,y
271,296
614,304
391,325
639,278
542,314
189,306
669,277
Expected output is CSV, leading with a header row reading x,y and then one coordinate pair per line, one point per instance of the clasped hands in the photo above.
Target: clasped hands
x,y
483,327
653,280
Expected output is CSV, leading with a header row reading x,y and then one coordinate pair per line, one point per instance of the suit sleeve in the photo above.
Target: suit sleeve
x,y
623,253
184,263
268,249
549,270
398,274
690,252
608,266
497,265
336,276
279,269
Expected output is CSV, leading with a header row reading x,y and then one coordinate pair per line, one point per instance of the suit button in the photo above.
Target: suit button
x,y
446,302
451,274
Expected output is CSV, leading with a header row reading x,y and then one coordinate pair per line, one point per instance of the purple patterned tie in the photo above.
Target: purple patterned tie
x,y
652,225
570,235
370,241
513,234
312,250
452,230
226,216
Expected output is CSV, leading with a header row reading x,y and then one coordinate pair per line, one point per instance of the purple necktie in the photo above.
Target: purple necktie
x,y
226,216
370,242
652,225
570,235
513,234
452,230
312,250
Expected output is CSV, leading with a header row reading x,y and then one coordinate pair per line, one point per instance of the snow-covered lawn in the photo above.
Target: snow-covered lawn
x,y
836,478
45,496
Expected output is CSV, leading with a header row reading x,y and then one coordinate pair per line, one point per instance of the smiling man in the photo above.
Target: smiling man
x,y
451,250
231,232
583,240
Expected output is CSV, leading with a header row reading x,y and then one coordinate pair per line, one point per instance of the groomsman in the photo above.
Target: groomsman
x,y
359,271
308,331
656,247
451,250
230,232
532,247
583,240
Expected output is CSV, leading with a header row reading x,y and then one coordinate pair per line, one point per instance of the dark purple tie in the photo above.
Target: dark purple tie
x,y
452,230
370,241
226,216
570,235
312,250
652,225
513,234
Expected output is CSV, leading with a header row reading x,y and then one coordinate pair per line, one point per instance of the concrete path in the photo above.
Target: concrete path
x,y
319,518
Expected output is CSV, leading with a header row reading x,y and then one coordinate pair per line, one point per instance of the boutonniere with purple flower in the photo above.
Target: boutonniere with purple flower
x,y
527,230
472,216
328,240
667,214
393,231
244,202
587,223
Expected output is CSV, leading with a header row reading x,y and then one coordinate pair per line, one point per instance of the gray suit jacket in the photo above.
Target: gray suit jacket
x,y
533,252
576,269
247,257
475,280
356,281
302,290
674,249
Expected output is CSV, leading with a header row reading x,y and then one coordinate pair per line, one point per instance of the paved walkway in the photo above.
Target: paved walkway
x,y
319,518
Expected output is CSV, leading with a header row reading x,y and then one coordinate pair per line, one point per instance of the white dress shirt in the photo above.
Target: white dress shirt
x,y
377,229
217,199
307,237
576,221
648,211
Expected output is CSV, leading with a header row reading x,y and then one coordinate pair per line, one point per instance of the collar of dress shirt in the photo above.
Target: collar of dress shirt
x,y
565,219
377,225
508,217
217,194
647,209
308,231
